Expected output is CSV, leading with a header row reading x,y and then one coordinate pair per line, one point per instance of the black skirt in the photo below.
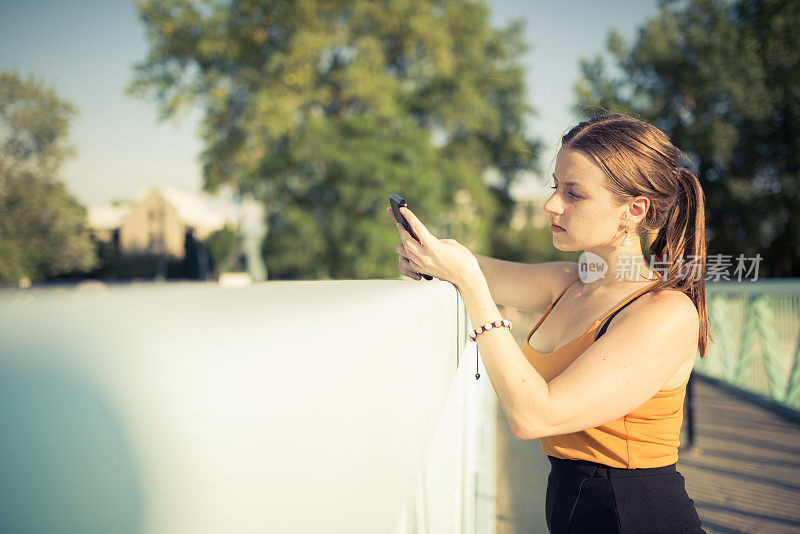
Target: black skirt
x,y
584,496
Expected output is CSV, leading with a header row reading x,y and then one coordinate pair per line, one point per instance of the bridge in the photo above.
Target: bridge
x,y
295,406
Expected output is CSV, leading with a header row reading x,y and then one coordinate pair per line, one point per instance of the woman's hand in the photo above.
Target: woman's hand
x,y
446,259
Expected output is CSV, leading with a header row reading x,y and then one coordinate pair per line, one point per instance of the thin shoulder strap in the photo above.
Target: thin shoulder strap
x,y
550,307
602,329
562,293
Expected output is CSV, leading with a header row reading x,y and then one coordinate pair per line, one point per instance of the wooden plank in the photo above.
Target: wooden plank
x,y
743,471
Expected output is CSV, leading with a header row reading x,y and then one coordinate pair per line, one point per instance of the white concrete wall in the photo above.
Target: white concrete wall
x,y
334,406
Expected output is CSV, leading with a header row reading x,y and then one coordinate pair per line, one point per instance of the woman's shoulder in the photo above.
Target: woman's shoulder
x,y
668,315
663,303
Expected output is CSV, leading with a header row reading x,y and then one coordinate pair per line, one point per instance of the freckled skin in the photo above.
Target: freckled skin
x,y
592,220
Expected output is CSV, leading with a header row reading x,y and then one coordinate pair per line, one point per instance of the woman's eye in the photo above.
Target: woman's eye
x,y
571,193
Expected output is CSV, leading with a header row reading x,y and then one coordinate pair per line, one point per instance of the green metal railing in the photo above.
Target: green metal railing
x,y
755,328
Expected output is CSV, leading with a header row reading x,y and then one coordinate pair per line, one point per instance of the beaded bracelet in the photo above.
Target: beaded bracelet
x,y
505,323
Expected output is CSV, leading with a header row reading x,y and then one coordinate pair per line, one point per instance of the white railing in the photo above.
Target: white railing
x,y
335,406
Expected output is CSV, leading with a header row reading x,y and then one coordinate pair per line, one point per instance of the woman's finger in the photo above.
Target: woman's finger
x,y
416,225
406,266
410,274
406,269
411,265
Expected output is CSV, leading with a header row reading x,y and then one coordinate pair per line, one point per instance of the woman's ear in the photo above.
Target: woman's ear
x,y
639,206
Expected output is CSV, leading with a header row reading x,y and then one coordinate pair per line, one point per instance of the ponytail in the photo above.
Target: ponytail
x,y
680,249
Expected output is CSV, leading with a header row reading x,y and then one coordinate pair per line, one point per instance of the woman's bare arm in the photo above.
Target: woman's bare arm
x,y
529,287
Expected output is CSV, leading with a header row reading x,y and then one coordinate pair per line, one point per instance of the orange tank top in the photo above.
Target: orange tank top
x,y
646,437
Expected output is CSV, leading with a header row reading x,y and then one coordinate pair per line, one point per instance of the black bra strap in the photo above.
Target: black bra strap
x,y
602,329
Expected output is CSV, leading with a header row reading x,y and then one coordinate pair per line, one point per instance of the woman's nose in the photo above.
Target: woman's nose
x,y
553,205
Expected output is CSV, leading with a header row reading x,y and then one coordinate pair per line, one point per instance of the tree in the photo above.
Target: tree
x,y
42,226
223,245
722,78
322,108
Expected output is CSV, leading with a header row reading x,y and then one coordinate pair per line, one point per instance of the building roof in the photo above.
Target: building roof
x,y
530,190
193,209
108,217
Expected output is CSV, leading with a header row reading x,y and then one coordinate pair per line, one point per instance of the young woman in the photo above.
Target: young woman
x,y
601,377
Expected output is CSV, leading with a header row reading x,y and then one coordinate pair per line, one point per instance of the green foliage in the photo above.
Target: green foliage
x,y
722,78
42,229
223,245
125,267
42,226
323,108
34,126
530,244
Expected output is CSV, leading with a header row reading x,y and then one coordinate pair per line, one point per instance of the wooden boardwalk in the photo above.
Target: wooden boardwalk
x,y
743,471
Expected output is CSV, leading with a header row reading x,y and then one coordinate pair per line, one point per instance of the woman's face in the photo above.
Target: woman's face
x,y
581,205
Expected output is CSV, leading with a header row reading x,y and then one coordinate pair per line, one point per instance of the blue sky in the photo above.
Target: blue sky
x,y
85,49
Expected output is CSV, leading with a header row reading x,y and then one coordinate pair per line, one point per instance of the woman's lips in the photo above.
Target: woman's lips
x,y
556,228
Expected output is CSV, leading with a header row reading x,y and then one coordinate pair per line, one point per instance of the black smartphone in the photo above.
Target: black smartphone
x,y
398,202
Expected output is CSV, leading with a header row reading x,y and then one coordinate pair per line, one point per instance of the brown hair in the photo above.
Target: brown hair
x,y
639,159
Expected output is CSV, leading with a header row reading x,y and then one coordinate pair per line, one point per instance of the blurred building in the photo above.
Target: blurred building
x,y
157,224
529,197
530,208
